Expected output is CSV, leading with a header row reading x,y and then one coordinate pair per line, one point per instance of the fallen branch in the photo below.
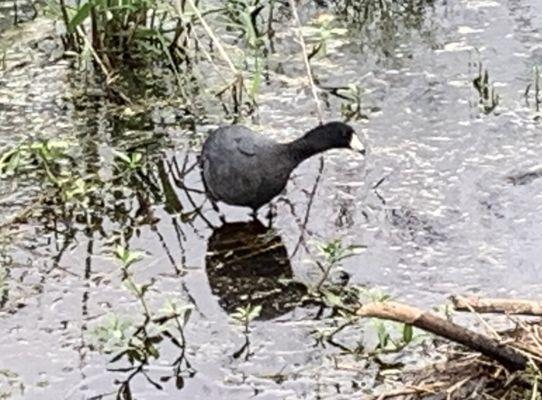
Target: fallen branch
x,y
498,306
430,322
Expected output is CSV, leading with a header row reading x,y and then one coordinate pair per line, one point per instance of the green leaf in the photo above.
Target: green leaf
x,y
332,299
4,160
254,312
80,16
136,158
122,156
132,257
119,252
13,163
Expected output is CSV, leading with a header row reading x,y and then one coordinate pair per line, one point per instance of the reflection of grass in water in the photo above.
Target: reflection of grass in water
x,y
364,12
385,23
76,197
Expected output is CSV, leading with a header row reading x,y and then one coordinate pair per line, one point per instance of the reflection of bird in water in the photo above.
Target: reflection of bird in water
x,y
247,263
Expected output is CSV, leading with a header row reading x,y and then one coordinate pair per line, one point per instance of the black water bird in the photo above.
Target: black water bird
x,y
243,168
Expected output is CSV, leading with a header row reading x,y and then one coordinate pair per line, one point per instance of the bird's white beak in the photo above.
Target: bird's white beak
x,y
355,144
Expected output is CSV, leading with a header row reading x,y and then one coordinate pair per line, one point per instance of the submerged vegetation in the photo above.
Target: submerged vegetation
x,y
489,99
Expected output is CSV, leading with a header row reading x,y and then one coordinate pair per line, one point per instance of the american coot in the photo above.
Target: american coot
x,y
243,168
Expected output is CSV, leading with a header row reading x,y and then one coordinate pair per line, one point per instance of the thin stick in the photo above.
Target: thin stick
x,y
306,60
497,305
488,327
309,206
94,54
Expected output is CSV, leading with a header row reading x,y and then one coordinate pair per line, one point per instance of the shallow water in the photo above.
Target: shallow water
x,y
446,219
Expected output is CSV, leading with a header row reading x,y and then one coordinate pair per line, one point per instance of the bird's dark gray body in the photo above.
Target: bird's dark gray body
x,y
243,168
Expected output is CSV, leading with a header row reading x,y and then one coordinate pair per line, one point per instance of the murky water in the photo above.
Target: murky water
x,y
445,219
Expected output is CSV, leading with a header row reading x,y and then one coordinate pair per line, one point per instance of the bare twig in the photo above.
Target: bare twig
x,y
309,206
488,327
94,54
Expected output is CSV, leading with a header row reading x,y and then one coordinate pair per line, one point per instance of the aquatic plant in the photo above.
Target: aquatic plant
x,y
244,316
392,337
128,41
114,33
535,85
322,33
138,343
131,161
53,161
243,16
351,96
332,254
345,299
489,99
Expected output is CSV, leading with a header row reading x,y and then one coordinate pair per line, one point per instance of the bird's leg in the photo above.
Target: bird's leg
x,y
254,214
221,216
215,206
271,214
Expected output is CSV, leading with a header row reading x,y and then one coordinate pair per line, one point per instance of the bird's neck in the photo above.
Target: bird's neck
x,y
306,146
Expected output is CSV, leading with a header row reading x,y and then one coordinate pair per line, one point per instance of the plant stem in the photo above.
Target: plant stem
x,y
306,60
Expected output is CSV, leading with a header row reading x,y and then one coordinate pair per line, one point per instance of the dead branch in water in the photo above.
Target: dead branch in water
x,y
496,305
430,322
